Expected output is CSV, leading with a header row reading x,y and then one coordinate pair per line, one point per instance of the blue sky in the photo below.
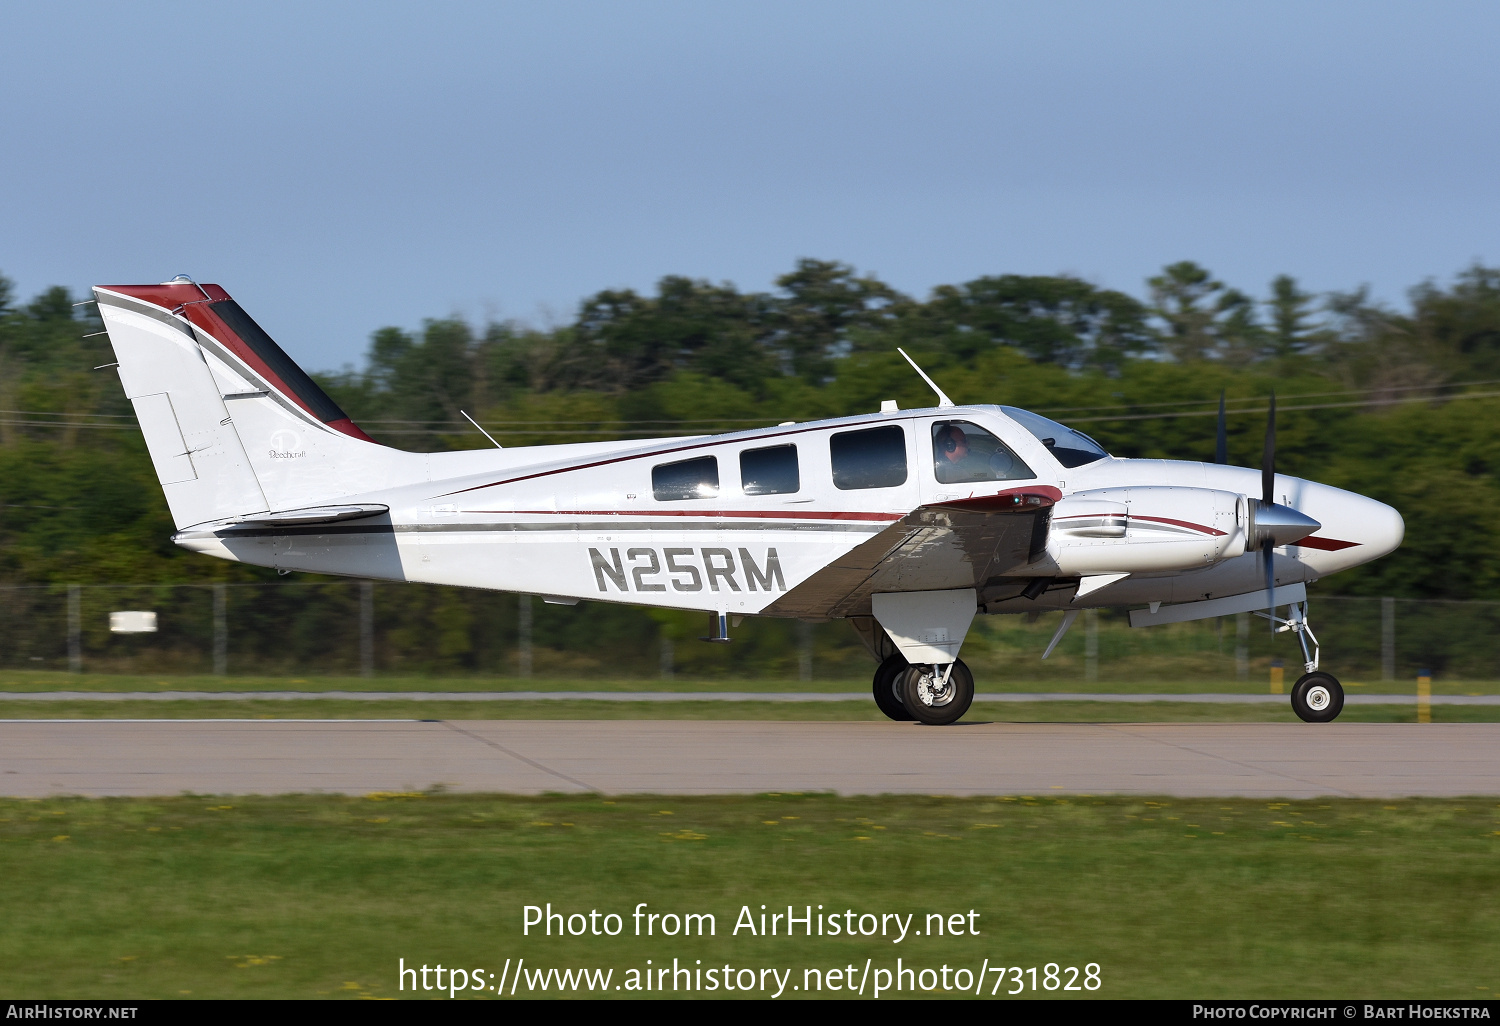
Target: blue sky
x,y
339,167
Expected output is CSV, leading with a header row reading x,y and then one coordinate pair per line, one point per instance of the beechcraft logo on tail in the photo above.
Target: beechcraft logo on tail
x,y
648,569
286,445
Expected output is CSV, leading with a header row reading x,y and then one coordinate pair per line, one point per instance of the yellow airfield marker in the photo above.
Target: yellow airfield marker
x,y
1424,696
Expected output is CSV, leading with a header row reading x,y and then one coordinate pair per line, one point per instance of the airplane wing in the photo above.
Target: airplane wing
x,y
944,546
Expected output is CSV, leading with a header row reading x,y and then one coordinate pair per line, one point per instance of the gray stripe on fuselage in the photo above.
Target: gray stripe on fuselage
x,y
591,526
1137,524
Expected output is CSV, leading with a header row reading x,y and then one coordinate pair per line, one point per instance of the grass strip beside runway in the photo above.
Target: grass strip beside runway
x,y
319,896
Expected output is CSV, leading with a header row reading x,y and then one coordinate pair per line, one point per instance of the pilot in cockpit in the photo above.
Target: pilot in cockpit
x,y
952,443
955,460
966,452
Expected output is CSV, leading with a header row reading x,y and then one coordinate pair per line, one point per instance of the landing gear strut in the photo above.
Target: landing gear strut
x,y
1317,697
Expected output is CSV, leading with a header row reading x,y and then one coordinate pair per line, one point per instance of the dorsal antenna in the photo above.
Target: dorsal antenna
x,y
482,431
943,399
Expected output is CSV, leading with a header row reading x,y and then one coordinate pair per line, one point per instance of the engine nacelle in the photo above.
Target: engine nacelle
x,y
1145,530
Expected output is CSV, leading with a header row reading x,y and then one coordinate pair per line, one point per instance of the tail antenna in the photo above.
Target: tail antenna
x,y
943,399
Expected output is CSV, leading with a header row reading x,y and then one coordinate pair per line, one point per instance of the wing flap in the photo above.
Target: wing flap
x,y
941,547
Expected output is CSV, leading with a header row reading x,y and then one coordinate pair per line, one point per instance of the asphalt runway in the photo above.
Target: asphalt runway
x,y
166,757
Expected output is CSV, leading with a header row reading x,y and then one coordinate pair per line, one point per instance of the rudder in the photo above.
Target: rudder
x,y
202,467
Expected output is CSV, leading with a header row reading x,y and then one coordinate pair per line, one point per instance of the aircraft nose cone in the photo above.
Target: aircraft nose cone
x,y
1282,525
1380,528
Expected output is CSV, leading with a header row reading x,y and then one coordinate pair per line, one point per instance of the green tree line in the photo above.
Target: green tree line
x,y
1392,403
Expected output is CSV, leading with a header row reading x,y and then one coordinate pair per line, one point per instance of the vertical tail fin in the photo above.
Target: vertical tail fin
x,y
199,460
233,425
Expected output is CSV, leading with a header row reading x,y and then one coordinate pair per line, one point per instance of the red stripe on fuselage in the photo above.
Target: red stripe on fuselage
x,y
1003,502
708,514
1178,523
1008,501
1326,544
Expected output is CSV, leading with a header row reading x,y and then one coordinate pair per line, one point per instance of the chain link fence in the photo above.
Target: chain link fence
x,y
359,628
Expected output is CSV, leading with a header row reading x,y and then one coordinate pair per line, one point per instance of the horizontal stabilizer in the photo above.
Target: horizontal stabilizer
x,y
315,515
1180,612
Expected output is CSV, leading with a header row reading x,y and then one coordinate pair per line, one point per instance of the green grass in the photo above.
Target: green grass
x,y
319,896
1013,712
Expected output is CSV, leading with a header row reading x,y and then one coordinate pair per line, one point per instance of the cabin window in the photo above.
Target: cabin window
x,y
964,452
770,471
869,459
686,479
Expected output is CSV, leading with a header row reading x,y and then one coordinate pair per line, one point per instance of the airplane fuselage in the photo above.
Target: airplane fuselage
x,y
592,522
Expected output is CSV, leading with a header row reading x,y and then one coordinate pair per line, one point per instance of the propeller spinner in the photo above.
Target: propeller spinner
x,y
1273,524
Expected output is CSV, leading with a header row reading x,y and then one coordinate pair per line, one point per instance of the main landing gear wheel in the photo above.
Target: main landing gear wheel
x,y
930,700
888,687
1317,697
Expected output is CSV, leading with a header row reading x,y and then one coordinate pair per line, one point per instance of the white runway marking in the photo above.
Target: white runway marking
x,y
165,757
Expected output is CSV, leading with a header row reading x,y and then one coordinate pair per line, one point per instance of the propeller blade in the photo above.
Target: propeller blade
x,y
1269,559
1221,449
1268,457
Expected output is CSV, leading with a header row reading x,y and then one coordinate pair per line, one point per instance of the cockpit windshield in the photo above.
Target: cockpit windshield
x,y
1070,448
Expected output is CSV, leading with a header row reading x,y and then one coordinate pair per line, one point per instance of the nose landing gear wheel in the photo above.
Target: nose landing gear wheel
x,y
929,700
888,687
1318,697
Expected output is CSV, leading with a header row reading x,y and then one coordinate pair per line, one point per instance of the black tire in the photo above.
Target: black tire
x,y
888,687
1318,697
945,706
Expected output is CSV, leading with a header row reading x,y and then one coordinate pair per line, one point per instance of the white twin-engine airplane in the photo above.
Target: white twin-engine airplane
x,y
905,522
